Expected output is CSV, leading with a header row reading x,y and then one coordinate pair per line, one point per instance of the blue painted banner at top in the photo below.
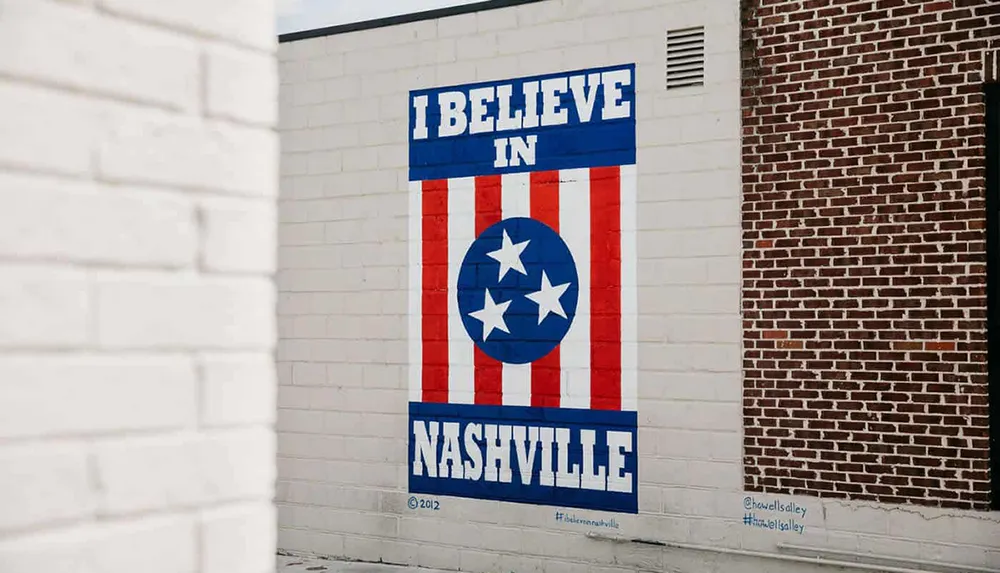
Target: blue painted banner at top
x,y
584,118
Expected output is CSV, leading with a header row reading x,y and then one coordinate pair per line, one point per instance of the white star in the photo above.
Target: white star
x,y
548,298
509,256
491,315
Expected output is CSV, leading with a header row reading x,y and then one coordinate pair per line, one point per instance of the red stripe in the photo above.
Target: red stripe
x,y
434,304
545,208
605,285
489,371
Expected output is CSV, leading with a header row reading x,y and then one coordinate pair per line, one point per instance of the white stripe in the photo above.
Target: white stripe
x,y
630,302
574,226
415,290
515,201
461,233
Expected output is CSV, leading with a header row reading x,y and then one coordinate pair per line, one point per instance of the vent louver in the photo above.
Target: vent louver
x,y
685,57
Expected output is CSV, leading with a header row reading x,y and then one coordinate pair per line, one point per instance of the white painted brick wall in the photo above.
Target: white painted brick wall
x,y
138,178
342,303
91,55
86,224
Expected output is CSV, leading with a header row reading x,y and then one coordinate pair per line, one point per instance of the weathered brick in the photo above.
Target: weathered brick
x,y
843,239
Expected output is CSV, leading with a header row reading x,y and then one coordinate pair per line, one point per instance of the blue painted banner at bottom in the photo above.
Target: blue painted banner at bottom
x,y
546,456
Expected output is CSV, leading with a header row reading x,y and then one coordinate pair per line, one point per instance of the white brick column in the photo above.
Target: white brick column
x,y
138,176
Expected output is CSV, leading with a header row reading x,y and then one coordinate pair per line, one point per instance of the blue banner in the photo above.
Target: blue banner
x,y
569,120
552,456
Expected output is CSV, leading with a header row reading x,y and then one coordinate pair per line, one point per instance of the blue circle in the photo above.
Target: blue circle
x,y
527,339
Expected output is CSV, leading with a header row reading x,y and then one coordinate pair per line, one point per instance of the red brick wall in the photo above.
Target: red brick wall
x,y
864,274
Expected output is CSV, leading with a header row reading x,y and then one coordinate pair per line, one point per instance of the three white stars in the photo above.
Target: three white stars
x,y
547,297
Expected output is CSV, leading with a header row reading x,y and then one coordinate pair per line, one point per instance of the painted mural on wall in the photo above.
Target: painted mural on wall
x,y
523,290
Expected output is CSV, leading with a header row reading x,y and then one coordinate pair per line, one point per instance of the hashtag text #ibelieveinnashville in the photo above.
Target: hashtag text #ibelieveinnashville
x,y
611,523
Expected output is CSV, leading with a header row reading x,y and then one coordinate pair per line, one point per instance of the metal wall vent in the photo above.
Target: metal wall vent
x,y
685,57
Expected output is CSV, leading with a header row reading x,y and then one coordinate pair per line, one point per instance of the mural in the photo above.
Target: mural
x,y
523,291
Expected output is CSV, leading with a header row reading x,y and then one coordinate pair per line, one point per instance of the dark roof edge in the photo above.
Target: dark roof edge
x,y
401,19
